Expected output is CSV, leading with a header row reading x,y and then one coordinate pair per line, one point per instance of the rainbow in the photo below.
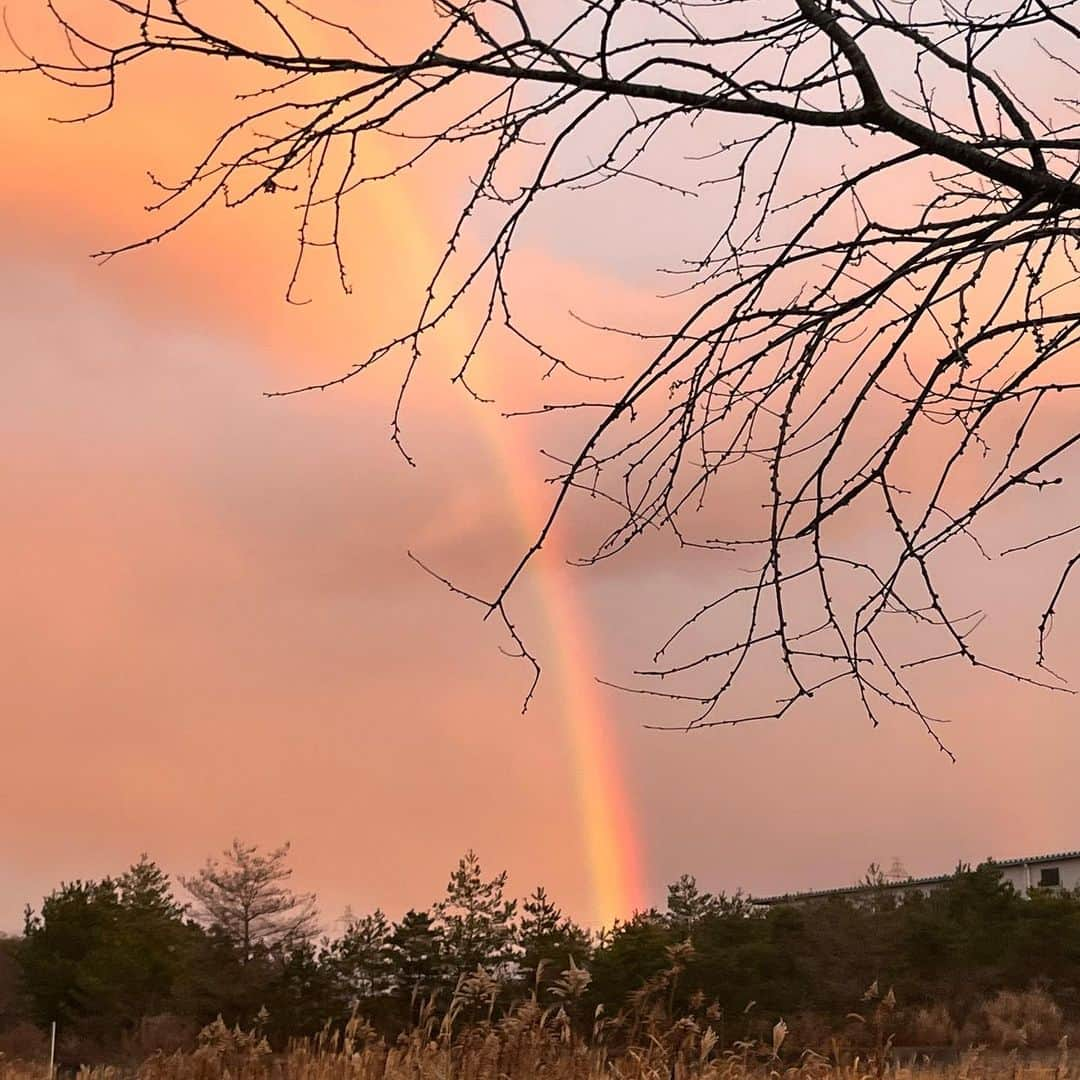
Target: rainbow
x,y
609,832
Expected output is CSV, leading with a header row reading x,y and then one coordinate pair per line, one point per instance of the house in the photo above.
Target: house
x,y
1060,870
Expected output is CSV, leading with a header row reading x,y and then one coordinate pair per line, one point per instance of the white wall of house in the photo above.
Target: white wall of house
x,y
1034,874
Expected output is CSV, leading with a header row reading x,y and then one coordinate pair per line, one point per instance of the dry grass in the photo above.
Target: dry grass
x,y
1012,1019
537,1044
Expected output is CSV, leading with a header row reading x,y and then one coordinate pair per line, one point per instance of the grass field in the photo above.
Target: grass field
x,y
538,1043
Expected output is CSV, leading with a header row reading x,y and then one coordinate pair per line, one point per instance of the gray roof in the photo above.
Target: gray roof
x,y
908,883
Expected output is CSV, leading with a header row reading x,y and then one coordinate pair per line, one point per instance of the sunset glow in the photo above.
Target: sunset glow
x,y
211,626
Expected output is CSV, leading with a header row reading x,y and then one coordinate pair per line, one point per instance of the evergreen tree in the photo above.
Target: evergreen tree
x,y
417,955
362,958
101,955
145,890
12,1005
476,920
300,996
628,955
154,936
548,938
687,905
62,949
248,899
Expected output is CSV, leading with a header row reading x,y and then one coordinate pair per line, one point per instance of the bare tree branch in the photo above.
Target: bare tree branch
x,y
892,344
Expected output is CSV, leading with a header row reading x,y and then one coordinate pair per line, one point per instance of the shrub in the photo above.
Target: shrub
x,y
24,1042
1013,1019
933,1026
165,1033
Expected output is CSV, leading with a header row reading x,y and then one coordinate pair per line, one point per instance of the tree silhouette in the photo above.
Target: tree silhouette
x,y
550,941
100,955
874,326
361,957
417,952
476,920
687,905
246,897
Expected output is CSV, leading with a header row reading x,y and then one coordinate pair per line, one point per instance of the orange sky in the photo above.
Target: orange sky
x,y
211,628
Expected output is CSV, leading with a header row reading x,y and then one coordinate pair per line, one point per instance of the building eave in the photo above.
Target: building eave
x,y
906,883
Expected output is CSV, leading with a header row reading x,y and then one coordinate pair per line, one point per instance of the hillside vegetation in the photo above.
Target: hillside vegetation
x,y
132,973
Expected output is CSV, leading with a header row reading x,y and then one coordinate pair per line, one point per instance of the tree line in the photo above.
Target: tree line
x,y
124,966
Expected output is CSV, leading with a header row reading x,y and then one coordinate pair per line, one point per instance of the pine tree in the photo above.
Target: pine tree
x,y
151,922
361,958
687,905
246,898
301,996
476,921
145,889
417,956
549,939
102,954
13,1007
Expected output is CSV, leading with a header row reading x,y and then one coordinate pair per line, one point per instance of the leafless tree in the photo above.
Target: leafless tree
x,y
890,342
